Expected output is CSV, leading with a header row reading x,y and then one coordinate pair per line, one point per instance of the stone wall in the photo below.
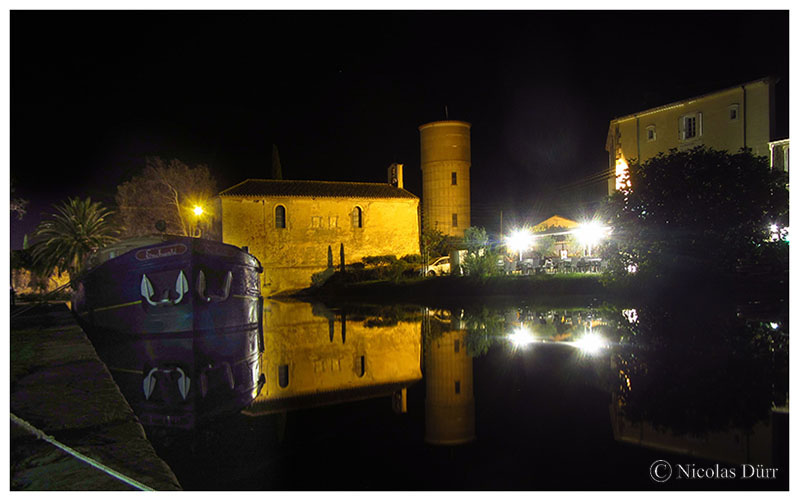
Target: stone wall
x,y
291,255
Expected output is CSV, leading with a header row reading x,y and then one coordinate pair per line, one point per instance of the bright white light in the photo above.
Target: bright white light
x,y
519,240
198,210
590,343
590,233
632,269
774,325
521,337
630,315
773,228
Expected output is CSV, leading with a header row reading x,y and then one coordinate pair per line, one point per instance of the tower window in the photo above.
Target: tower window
x,y
455,220
456,346
280,217
454,178
458,386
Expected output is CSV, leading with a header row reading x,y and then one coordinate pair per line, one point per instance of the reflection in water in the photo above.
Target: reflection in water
x,y
314,356
514,391
449,397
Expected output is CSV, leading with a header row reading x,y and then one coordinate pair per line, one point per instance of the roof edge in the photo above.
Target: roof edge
x,y
672,104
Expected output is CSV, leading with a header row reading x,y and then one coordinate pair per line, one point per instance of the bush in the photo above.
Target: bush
x,y
379,260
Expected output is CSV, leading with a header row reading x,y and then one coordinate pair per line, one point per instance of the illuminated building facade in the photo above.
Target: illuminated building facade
x,y
728,119
445,159
290,225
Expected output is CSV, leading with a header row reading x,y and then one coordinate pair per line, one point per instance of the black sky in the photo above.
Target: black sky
x,y
341,94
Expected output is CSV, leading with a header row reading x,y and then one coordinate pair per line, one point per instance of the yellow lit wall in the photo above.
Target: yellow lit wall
x,y
291,255
444,150
449,396
629,136
298,338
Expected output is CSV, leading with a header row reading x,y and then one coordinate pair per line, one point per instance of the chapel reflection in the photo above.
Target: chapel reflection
x,y
315,356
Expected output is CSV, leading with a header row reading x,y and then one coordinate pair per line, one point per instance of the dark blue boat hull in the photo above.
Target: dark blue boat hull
x,y
178,324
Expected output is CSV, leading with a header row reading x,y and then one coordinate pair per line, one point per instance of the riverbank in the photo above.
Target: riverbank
x,y
61,388
458,290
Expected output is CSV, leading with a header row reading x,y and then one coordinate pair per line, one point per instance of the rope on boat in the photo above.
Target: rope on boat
x,y
94,463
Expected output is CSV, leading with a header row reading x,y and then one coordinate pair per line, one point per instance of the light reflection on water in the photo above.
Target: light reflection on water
x,y
484,376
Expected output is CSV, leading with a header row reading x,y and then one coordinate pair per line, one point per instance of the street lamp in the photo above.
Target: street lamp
x,y
198,212
590,234
519,241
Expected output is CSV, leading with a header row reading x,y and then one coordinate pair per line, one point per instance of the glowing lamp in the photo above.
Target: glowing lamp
x,y
590,343
519,241
521,337
198,210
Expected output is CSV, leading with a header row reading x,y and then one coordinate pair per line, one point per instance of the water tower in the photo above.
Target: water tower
x,y
445,160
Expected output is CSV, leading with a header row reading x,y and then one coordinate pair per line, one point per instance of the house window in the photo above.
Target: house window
x,y
356,217
454,178
280,217
316,221
333,221
733,111
455,220
690,126
651,133
458,386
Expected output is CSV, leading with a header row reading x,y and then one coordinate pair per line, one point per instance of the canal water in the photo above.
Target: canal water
x,y
512,396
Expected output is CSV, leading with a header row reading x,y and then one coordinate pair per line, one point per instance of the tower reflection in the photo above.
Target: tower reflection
x,y
449,396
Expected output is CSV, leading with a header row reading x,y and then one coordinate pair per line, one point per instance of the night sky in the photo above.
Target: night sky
x,y
342,93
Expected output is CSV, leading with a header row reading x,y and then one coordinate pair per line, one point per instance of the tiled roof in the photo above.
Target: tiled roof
x,y
291,188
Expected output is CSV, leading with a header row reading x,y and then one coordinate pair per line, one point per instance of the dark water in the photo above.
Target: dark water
x,y
513,396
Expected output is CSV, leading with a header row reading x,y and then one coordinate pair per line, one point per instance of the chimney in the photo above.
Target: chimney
x,y
396,175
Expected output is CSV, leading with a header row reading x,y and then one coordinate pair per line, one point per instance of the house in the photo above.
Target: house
x,y
300,228
729,119
554,221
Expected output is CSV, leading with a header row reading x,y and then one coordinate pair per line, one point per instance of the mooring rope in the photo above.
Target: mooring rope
x,y
94,463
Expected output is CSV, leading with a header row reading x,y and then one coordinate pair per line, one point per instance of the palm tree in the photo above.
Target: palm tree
x,y
76,229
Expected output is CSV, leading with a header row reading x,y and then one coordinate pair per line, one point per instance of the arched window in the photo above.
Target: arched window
x,y
280,217
357,221
283,376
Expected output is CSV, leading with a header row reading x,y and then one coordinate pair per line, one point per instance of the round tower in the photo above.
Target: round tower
x,y
445,160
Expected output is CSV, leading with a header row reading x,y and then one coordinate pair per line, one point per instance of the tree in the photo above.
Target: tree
x,y
166,191
18,205
68,236
434,244
481,260
697,210
276,171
